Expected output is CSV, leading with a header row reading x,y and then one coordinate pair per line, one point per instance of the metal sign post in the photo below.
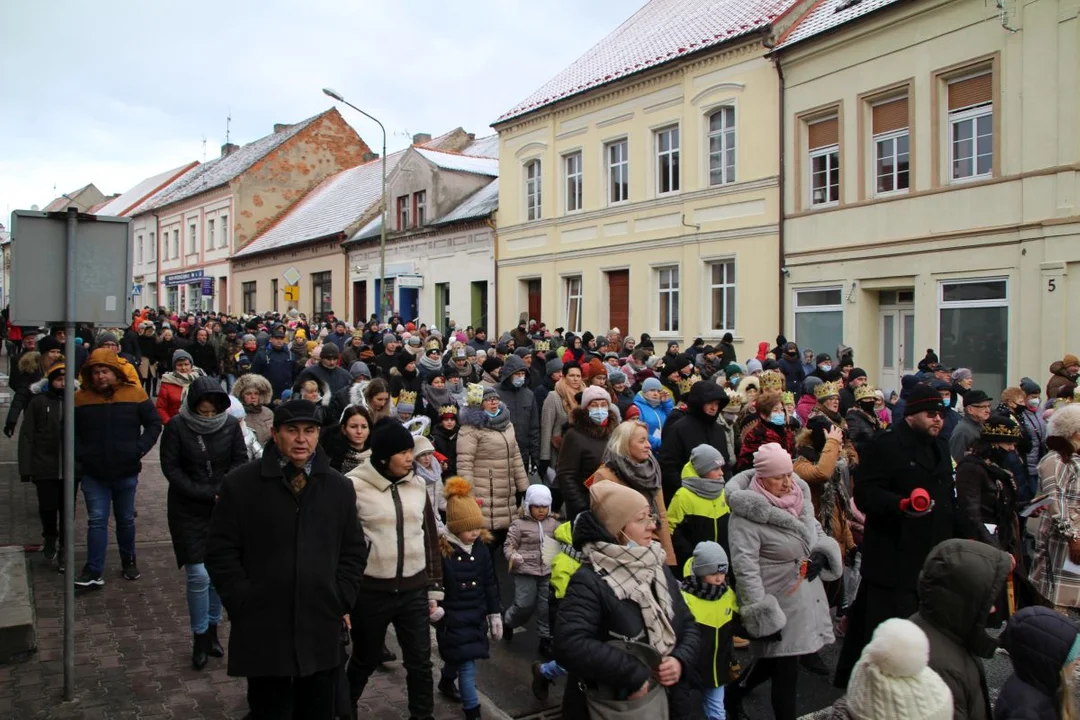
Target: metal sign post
x,y
69,457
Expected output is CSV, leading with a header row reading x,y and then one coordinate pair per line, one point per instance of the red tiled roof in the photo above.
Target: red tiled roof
x,y
660,32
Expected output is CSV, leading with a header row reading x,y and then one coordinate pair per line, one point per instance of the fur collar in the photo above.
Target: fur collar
x,y
746,503
579,420
356,394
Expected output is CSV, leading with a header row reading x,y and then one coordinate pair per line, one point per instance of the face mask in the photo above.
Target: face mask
x,y
777,418
730,416
517,381
491,413
946,401
1033,403
825,368
598,415
735,379
867,406
631,544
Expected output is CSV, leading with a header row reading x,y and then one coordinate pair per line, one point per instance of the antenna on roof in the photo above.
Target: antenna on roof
x,y
228,120
204,148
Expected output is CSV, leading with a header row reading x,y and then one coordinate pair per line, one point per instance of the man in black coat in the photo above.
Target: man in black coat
x,y
909,461
685,430
287,554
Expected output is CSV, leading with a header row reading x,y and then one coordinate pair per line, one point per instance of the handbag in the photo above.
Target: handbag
x,y
603,705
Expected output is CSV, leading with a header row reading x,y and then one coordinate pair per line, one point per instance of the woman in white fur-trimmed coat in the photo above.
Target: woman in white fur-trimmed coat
x,y
780,556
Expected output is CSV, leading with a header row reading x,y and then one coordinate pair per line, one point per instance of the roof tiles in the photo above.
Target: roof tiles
x,y
826,15
660,32
133,197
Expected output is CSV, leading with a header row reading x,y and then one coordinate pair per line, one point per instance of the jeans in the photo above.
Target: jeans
x,y
99,494
530,593
714,703
466,679
203,603
50,496
230,380
288,698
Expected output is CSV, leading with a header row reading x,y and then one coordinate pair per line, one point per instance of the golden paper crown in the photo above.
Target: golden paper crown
x,y
475,395
866,392
448,410
541,345
407,397
787,398
772,381
826,390
735,401
686,383
433,344
1001,432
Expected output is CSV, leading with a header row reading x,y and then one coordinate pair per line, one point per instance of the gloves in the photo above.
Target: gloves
x,y
495,626
9,429
775,637
542,468
818,561
519,497
516,560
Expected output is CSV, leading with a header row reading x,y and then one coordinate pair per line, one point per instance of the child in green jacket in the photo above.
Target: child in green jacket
x,y
712,602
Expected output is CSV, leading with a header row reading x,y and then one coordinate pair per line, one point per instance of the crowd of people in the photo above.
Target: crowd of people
x,y
656,508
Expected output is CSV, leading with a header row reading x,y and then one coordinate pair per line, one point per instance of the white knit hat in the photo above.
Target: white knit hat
x,y
891,681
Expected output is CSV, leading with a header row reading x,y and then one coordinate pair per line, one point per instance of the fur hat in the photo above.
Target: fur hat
x,y
892,678
462,509
538,495
1065,422
614,505
709,559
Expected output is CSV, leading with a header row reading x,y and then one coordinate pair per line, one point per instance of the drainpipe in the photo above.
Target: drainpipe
x,y
770,43
490,222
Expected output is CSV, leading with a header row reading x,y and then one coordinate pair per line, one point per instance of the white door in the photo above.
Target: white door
x,y
897,347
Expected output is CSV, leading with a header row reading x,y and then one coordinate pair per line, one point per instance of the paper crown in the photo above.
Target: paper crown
x,y
735,401
433,344
827,390
474,395
541,345
446,410
787,398
686,383
1001,432
866,392
407,398
772,381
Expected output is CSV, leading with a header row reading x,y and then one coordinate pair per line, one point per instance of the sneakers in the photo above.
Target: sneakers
x,y
87,579
540,684
49,549
131,570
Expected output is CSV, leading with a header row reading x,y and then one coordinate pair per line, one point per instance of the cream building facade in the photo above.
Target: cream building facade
x,y
932,184
649,202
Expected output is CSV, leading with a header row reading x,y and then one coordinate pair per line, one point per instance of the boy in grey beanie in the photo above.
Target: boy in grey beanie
x,y
712,602
699,511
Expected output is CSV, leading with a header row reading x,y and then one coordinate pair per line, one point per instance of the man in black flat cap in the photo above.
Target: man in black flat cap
x,y
287,555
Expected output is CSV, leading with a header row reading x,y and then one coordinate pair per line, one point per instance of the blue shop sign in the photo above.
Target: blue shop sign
x,y
185,278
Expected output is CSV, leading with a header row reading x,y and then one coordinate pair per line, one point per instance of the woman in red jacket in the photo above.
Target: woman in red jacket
x,y
173,384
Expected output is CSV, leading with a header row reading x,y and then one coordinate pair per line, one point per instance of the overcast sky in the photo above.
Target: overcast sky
x,y
111,92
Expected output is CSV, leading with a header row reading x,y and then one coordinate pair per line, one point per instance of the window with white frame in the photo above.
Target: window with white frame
x,y
892,143
971,127
224,231
191,242
210,234
532,190
819,318
722,146
572,288
403,212
617,158
176,243
152,247
973,326
722,294
420,207
668,286
824,144
667,160
572,166
138,248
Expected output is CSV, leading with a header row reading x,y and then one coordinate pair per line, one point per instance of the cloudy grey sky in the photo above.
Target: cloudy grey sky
x,y
114,91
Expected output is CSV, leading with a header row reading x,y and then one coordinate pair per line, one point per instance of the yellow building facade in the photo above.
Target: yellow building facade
x,y
649,203
932,193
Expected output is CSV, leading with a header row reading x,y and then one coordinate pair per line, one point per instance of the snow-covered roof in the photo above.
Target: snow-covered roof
x,y
458,162
221,170
826,15
480,204
333,205
129,200
483,147
660,32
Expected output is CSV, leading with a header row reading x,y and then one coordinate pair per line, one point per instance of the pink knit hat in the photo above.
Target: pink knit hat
x,y
771,460
594,392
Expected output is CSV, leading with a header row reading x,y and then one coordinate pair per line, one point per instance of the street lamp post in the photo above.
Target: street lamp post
x,y
385,202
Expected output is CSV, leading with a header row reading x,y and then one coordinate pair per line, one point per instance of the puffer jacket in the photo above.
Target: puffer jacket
x,y
654,417
171,391
768,546
1035,425
195,465
472,593
960,581
526,538
580,454
524,414
1058,379
591,614
1039,641
25,371
491,460
41,436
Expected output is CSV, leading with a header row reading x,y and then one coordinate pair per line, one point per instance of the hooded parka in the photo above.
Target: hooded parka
x,y
489,457
524,413
1038,641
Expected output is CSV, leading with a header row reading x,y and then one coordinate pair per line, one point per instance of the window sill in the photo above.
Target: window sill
x,y
971,179
822,206
891,193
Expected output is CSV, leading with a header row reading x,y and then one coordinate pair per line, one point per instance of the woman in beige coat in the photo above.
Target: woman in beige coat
x,y
489,457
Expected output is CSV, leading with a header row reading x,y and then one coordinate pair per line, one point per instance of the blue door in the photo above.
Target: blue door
x,y
408,303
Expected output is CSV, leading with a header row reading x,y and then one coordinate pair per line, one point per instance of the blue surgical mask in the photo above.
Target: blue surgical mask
x,y
631,544
598,415
491,413
825,367
735,379
777,418
517,381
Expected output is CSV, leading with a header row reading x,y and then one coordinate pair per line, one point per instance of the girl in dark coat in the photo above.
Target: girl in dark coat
x,y
582,449
199,447
444,437
1045,649
470,609
41,451
348,443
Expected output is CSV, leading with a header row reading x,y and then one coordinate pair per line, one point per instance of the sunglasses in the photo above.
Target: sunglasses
x,y
934,414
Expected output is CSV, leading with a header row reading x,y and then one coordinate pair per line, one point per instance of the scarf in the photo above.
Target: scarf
x,y
202,425
566,394
706,489
792,502
431,366
573,553
837,418
500,421
431,475
354,458
436,397
182,379
641,476
693,584
637,574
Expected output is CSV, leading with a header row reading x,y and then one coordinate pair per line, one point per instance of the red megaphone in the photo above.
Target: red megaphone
x,y
920,500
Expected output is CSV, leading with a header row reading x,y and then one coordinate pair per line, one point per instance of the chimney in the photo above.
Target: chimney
x,y
229,149
369,156
281,127
421,138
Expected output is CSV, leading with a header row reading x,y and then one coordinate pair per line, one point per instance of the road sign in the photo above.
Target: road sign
x,y
292,276
292,293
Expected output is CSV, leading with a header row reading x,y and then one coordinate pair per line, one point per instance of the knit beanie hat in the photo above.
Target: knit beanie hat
x,y
330,350
960,374
1029,386
359,369
538,495
921,399
616,377
56,371
592,393
462,509
705,459
651,384
421,445
180,354
771,460
388,338
892,679
614,505
753,366
709,559
553,366
388,438
248,337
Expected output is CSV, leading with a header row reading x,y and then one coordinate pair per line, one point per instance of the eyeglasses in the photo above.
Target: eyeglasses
x,y
653,519
934,414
